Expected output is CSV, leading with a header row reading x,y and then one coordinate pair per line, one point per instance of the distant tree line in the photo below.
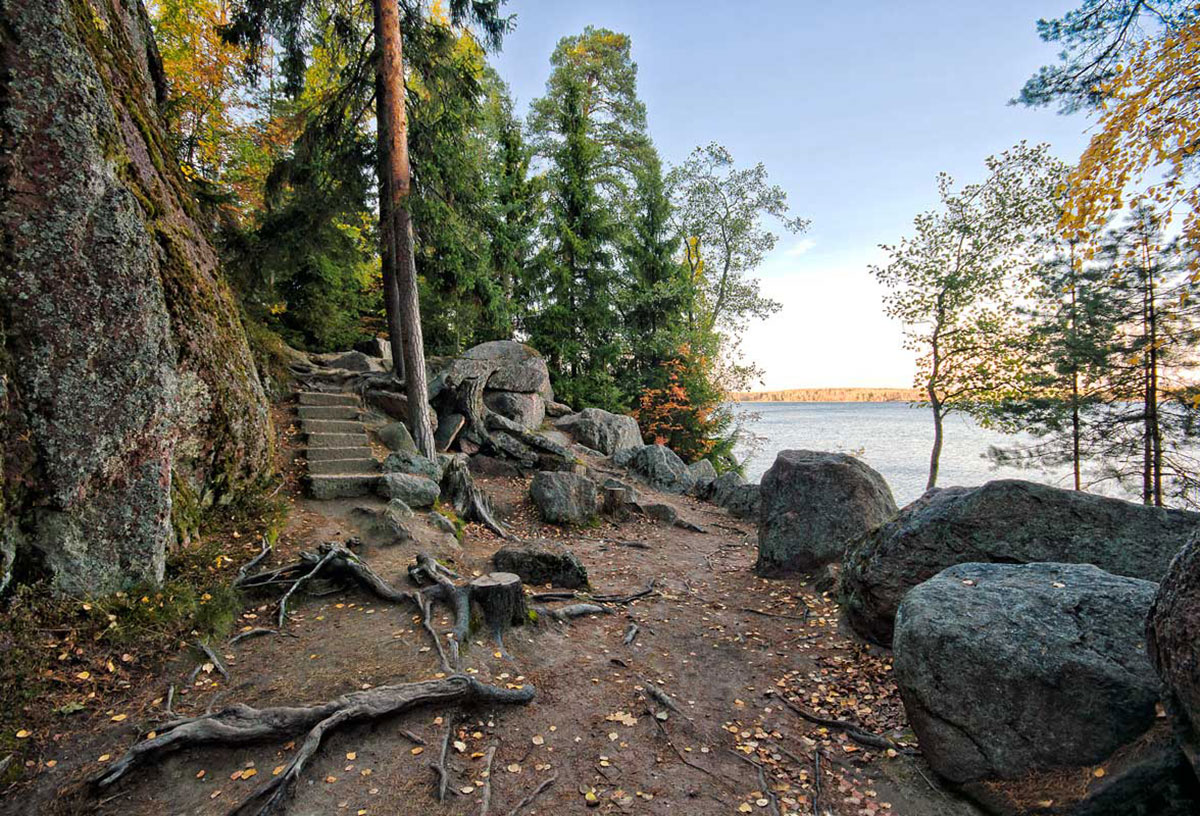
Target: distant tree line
x,y
830,395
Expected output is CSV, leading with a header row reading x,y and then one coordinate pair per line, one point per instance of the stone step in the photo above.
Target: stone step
x,y
337,440
321,398
341,485
345,466
312,426
322,454
329,412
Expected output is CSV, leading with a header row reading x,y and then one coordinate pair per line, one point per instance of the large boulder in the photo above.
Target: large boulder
x,y
735,494
527,410
397,438
564,498
1007,521
518,367
542,564
601,430
129,398
812,505
1173,631
704,474
1006,669
413,490
662,469
413,463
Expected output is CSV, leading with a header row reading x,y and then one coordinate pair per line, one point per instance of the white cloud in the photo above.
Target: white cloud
x,y
800,247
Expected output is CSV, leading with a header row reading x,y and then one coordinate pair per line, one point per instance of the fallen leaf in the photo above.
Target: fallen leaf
x,y
23,734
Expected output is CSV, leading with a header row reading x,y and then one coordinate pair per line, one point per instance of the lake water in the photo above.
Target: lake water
x,y
892,437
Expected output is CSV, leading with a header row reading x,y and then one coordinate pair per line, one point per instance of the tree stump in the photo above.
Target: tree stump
x,y
501,598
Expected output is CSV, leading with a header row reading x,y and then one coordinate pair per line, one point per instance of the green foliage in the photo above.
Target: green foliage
x,y
953,282
573,321
722,213
1096,38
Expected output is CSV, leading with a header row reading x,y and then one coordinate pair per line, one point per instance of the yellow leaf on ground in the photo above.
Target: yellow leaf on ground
x,y
24,734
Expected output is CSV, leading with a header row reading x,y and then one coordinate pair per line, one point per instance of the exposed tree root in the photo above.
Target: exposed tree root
x,y
631,634
571,611
242,724
439,767
487,781
213,658
244,571
625,599
471,503
772,799
850,729
660,696
329,555
528,800
257,631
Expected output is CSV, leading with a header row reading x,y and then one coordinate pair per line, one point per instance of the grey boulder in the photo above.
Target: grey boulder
x,y
812,505
518,367
1007,521
542,564
1173,632
1005,669
396,436
564,498
413,463
413,490
705,474
662,469
731,491
601,430
527,410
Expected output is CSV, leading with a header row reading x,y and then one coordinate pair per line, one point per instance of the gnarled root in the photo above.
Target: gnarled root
x,y
242,724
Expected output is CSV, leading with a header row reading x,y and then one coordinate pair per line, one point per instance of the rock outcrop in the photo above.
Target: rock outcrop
x,y
703,474
1010,669
564,498
812,505
735,494
542,564
601,430
129,395
414,490
661,468
1173,631
1007,521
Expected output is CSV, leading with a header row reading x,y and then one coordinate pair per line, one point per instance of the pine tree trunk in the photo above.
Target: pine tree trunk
x,y
1075,423
394,151
1152,400
387,245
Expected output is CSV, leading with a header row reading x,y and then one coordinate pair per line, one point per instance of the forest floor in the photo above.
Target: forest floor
x,y
723,643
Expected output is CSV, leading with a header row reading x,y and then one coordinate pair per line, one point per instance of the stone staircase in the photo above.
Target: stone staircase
x,y
340,463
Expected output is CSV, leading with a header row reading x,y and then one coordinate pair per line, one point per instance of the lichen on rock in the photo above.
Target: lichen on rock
x,y
128,372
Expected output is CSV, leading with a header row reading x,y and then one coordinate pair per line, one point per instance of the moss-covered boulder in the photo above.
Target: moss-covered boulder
x,y
130,396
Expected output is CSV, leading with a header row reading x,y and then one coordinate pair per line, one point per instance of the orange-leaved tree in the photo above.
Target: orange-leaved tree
x,y
687,412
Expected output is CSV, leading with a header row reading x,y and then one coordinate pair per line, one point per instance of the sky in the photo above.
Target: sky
x,y
853,107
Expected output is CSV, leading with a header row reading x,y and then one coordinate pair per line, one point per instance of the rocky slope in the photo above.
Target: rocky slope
x,y
129,395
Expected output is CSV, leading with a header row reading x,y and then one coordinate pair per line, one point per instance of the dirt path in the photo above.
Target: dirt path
x,y
720,641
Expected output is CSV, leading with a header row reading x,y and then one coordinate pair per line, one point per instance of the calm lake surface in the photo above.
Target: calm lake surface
x,y
892,437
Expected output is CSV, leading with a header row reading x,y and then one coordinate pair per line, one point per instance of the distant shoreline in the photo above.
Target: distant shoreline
x,y
831,395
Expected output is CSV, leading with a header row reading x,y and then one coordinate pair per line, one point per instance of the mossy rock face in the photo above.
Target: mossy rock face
x,y
128,377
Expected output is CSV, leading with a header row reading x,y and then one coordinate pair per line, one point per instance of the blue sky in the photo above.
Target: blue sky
x,y
853,107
